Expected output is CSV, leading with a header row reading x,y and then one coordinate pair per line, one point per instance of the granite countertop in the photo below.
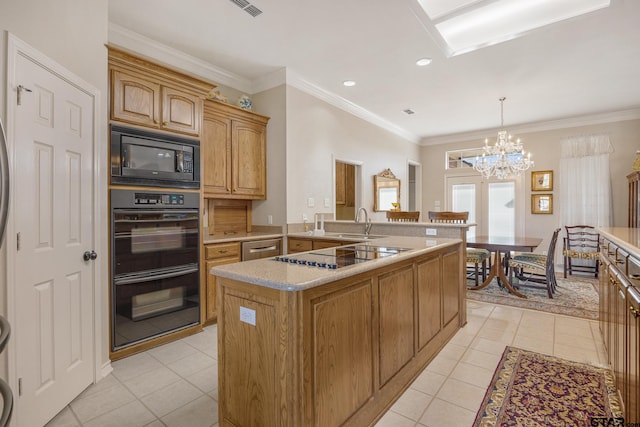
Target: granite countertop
x,y
293,277
239,237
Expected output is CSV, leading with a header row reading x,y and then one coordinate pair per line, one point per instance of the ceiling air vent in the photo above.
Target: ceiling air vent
x,y
408,111
247,7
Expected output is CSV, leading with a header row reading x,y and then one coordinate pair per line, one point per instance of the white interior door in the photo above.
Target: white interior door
x,y
53,220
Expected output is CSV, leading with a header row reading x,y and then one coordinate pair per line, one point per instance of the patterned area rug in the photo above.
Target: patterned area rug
x,y
573,297
535,390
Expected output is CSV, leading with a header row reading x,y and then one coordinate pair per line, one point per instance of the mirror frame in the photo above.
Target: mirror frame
x,y
384,179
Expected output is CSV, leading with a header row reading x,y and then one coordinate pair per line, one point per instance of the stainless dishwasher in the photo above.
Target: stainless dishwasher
x,y
261,249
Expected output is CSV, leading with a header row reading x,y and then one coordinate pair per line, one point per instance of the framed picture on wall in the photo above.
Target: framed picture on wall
x,y
542,203
542,181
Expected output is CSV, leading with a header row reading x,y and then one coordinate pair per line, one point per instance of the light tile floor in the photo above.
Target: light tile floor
x,y
176,384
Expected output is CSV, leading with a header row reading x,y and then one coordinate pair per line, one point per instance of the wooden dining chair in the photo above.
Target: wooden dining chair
x,y
403,216
475,256
583,244
536,268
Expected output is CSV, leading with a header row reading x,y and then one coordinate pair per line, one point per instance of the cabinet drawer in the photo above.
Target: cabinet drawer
x,y
299,245
222,250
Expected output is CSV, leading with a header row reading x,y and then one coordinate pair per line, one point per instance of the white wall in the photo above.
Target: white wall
x,y
272,103
72,33
318,132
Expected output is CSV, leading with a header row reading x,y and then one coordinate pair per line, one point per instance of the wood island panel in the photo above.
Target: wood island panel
x,y
396,321
337,354
429,307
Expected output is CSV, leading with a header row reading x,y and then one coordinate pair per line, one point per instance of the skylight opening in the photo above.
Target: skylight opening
x,y
466,25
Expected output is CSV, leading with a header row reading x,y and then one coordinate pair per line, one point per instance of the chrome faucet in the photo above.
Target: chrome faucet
x,y
367,221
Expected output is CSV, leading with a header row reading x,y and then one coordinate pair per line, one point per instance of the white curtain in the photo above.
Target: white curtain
x,y
585,181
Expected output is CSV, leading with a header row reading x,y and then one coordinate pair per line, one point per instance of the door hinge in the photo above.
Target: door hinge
x,y
19,386
18,242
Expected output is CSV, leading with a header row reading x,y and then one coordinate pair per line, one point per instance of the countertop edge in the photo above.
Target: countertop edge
x,y
317,277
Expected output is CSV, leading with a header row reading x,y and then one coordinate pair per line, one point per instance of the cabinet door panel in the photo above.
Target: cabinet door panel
x,y
450,289
396,321
181,111
135,100
249,160
429,301
343,354
216,154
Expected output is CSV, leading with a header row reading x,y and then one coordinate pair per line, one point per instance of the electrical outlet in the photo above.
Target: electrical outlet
x,y
310,202
248,315
304,217
327,202
269,219
432,232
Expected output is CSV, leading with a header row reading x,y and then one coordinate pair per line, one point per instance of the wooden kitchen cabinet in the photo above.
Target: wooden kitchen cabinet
x,y
234,152
296,244
620,321
345,184
214,255
146,94
336,354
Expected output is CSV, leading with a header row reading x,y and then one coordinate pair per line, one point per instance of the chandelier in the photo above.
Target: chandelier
x,y
504,159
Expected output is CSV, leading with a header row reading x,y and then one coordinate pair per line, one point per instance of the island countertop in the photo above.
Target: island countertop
x,y
293,277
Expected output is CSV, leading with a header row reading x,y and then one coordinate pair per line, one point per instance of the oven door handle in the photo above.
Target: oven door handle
x,y
141,278
263,249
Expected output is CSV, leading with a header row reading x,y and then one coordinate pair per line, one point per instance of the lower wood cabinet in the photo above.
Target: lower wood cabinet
x,y
296,244
214,255
339,353
619,324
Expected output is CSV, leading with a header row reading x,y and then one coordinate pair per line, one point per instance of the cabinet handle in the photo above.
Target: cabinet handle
x,y
635,312
164,123
155,122
612,280
223,251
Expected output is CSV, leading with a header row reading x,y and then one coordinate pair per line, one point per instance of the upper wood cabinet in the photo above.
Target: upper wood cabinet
x,y
146,94
234,152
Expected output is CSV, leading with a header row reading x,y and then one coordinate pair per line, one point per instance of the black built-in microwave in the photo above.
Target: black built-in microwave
x,y
140,157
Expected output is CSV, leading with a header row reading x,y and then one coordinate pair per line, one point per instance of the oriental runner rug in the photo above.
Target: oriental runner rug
x,y
574,297
534,390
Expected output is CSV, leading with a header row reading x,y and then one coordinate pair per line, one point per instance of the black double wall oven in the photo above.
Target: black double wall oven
x,y
155,264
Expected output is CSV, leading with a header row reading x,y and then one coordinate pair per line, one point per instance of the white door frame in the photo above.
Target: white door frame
x,y
15,48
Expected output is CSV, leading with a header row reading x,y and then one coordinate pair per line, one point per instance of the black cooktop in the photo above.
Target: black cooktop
x,y
333,258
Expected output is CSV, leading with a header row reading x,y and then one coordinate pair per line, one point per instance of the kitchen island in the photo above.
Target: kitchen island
x,y
333,337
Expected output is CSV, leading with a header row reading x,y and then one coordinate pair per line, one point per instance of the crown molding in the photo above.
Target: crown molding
x,y
569,122
295,80
141,45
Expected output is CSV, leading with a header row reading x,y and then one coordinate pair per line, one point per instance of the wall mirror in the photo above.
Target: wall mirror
x,y
386,188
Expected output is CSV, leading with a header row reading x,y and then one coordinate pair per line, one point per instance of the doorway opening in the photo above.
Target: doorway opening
x,y
414,177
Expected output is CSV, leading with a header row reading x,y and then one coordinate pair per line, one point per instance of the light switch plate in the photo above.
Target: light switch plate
x,y
310,202
327,202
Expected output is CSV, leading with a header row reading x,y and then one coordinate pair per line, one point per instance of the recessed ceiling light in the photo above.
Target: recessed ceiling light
x,y
349,83
423,61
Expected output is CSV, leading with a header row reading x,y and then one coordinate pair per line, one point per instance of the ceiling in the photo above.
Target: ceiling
x,y
586,65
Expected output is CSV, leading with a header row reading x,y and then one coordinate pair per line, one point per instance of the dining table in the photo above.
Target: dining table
x,y
500,245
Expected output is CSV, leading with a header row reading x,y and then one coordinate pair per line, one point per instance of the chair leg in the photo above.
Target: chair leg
x,y
484,270
565,266
475,270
